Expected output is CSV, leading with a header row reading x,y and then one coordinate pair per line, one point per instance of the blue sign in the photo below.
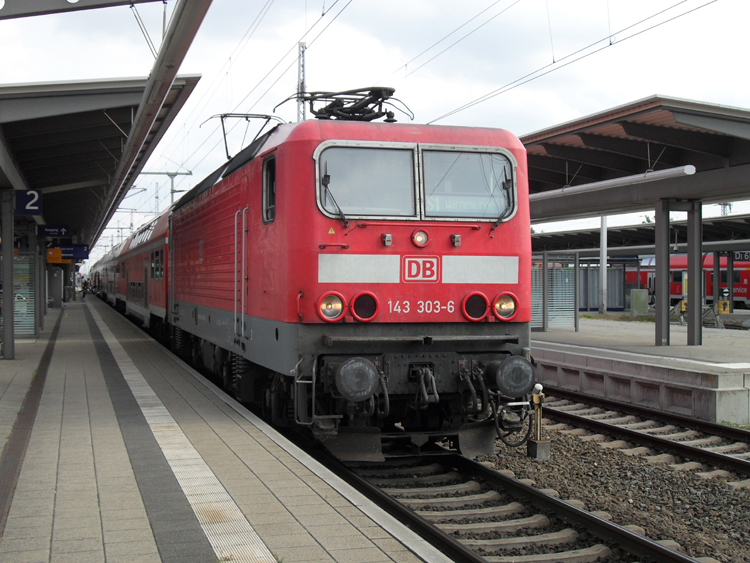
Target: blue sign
x,y
53,231
75,252
28,202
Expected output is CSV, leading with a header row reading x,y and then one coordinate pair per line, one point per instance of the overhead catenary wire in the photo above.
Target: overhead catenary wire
x,y
545,70
467,22
295,61
260,82
462,38
210,91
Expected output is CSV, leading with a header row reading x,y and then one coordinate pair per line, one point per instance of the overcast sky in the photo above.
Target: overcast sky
x,y
587,56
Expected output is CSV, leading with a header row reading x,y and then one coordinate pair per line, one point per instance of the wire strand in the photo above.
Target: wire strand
x,y
538,72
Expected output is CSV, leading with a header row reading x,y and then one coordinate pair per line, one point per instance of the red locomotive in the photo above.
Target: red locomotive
x,y
368,281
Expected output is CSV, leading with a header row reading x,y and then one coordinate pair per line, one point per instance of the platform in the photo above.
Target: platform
x,y
117,451
618,360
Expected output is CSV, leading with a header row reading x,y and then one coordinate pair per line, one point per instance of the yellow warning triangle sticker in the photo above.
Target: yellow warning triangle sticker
x,y
331,231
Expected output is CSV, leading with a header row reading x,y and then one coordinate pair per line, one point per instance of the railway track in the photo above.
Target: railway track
x,y
681,442
476,514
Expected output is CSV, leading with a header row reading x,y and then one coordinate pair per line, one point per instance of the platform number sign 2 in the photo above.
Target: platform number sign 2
x,y
28,202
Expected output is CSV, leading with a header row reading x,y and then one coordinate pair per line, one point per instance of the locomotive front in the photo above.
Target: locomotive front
x,y
415,300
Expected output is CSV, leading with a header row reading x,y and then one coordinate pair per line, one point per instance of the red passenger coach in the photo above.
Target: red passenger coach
x,y
132,276
368,281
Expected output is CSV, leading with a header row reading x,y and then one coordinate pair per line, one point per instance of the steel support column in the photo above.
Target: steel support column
x,y
661,277
576,291
545,292
41,264
35,272
695,274
730,280
603,266
8,218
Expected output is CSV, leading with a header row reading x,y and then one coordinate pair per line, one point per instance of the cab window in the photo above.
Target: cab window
x,y
269,190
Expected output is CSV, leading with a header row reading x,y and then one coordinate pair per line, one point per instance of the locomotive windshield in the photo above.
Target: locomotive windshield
x,y
376,181
463,184
367,181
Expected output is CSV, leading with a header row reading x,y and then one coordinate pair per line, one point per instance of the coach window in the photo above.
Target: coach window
x,y
463,184
735,276
269,190
367,181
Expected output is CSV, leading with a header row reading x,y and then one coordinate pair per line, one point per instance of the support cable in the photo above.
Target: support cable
x,y
538,73
138,19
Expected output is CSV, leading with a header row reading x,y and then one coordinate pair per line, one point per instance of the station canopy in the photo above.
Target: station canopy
x,y
615,152
69,141
719,233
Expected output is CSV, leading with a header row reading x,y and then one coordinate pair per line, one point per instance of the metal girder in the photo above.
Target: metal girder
x,y
705,143
737,245
75,186
635,149
26,8
712,186
67,150
598,158
718,125
558,166
8,166
43,105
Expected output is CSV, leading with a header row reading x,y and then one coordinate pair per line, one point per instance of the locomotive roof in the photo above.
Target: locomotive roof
x,y
323,130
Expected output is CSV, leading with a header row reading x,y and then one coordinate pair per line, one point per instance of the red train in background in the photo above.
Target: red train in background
x,y
678,278
368,281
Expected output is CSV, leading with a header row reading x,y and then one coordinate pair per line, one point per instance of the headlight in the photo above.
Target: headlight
x,y
357,379
514,377
420,238
331,306
505,307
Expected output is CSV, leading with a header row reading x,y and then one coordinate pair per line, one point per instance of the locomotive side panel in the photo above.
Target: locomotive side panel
x,y
203,239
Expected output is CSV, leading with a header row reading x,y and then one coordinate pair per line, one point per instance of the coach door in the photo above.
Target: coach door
x,y
145,284
240,270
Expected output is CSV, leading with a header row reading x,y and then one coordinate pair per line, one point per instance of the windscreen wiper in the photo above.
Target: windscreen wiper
x,y
507,185
326,180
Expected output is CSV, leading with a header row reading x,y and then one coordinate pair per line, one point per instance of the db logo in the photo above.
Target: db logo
x,y
420,269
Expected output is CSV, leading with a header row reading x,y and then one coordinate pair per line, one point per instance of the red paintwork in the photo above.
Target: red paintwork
x,y
679,264
282,258
131,264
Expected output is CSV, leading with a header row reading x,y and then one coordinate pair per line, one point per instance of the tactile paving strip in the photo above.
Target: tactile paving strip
x,y
230,534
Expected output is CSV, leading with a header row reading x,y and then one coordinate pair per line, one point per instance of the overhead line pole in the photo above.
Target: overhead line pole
x,y
171,179
301,82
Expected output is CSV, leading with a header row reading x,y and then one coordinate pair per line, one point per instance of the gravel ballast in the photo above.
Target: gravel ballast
x,y
706,517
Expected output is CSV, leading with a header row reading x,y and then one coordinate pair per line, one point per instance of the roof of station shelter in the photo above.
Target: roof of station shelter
x,y
719,233
66,140
653,134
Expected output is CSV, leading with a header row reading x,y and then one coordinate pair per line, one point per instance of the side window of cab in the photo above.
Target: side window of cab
x,y
269,190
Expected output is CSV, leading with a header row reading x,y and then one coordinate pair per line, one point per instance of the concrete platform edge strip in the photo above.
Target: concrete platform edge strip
x,y
414,543
632,356
178,451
